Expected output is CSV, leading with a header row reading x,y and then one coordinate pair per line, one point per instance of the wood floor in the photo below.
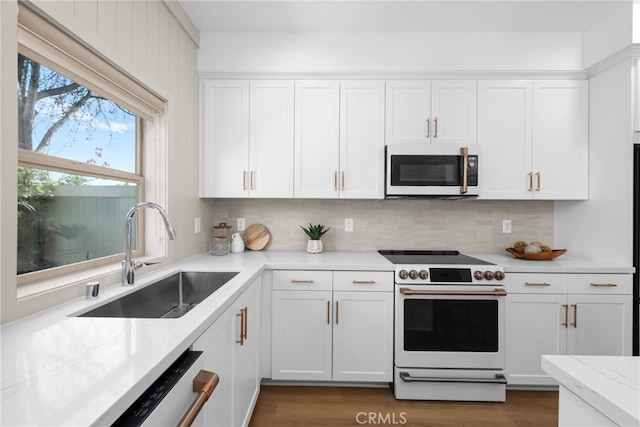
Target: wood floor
x,y
289,406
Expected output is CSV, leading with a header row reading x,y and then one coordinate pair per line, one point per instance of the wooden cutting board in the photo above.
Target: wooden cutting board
x,y
256,237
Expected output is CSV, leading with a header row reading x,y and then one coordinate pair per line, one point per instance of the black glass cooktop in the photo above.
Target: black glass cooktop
x,y
445,257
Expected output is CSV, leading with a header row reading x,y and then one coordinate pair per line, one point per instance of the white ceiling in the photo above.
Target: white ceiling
x,y
397,15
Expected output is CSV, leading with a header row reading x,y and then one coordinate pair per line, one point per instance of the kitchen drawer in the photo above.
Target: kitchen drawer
x,y
531,283
611,284
302,280
371,281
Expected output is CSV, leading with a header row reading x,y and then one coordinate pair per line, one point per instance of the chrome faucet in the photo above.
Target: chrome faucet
x,y
129,266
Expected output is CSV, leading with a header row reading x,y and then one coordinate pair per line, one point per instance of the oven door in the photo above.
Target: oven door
x,y
449,327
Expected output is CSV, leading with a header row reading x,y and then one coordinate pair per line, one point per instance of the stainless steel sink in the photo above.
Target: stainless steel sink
x,y
171,297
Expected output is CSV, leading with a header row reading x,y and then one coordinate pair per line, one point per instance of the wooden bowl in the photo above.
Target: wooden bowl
x,y
542,256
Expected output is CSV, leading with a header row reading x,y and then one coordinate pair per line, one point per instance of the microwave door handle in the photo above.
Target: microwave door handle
x,y
465,165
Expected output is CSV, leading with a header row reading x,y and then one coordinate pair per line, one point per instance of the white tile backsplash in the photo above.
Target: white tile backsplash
x,y
466,225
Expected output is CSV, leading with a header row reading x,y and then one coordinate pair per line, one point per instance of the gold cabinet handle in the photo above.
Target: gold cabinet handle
x,y
342,182
243,325
244,180
251,180
328,312
335,180
204,384
566,315
538,176
435,125
537,284
604,285
428,127
364,282
575,315
336,312
530,175
302,281
246,323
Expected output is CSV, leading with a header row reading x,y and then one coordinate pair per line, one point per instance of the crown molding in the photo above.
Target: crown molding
x,y
630,52
399,75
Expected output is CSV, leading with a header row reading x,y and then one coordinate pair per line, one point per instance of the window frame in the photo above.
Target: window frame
x,y
43,41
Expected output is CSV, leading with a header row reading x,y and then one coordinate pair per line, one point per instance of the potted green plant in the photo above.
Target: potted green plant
x,y
315,232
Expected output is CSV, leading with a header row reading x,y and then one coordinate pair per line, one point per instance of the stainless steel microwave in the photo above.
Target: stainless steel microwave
x,y
431,170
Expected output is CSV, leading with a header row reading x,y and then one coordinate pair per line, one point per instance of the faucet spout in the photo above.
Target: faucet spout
x,y
129,266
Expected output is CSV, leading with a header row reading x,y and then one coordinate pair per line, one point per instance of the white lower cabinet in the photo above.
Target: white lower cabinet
x,y
575,314
231,349
332,326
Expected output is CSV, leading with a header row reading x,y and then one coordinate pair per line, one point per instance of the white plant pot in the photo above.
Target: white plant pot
x,y
314,246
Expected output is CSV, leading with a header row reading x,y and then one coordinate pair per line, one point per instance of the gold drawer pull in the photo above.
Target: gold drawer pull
x,y
302,281
537,284
566,315
605,285
364,282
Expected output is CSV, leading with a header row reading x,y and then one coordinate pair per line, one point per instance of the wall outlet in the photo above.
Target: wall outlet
x,y
506,226
348,224
196,226
240,224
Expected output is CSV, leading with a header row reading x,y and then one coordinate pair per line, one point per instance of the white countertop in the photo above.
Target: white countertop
x,y
611,384
61,370
563,264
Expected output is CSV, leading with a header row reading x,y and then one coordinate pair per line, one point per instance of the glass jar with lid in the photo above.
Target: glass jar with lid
x,y
220,243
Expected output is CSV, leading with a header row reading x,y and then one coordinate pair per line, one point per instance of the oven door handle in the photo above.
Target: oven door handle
x,y
499,379
495,293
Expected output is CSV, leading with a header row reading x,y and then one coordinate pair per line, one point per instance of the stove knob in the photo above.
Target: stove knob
x,y
413,274
488,275
423,274
403,274
499,275
478,275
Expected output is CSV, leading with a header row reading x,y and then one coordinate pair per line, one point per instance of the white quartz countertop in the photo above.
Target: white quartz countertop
x,y
610,384
63,370
565,263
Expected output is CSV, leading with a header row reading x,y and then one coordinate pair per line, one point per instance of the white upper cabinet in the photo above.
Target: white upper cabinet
x,y
339,145
438,111
271,139
361,139
560,139
247,139
533,139
224,148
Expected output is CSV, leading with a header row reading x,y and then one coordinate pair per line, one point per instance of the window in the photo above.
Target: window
x,y
79,148
77,171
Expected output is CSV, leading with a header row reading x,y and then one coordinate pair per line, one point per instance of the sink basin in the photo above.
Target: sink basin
x,y
171,297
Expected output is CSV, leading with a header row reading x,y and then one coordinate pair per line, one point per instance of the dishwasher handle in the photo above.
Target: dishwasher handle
x,y
204,384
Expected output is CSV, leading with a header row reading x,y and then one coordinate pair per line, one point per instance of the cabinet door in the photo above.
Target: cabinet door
x,y
218,344
504,136
560,139
363,336
454,112
247,354
317,132
362,139
224,147
301,331
534,325
600,325
408,111
271,139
